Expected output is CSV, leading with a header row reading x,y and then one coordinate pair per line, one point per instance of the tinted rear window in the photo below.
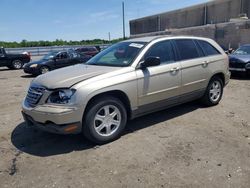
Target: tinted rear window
x,y
207,48
187,49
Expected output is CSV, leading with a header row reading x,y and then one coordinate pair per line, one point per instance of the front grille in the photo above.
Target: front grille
x,y
34,95
237,65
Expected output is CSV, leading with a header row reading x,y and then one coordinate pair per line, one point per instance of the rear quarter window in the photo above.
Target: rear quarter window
x,y
187,49
207,48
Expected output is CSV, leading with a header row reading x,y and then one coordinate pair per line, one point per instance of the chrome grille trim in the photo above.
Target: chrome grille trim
x,y
34,95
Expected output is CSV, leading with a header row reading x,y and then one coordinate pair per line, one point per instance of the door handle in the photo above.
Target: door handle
x,y
175,69
205,63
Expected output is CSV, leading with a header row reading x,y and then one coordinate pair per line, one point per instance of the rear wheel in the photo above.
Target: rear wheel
x,y
44,69
17,64
105,120
213,92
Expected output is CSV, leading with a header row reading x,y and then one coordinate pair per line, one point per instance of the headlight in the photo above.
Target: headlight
x,y
248,66
33,66
61,96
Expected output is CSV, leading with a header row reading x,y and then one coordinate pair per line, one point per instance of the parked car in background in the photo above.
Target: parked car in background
x,y
55,60
239,61
89,50
13,61
127,80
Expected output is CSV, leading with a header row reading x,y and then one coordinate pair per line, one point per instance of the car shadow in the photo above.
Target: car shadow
x,y
6,69
28,76
240,76
40,143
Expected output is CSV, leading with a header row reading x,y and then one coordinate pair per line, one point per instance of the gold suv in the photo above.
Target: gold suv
x,y
127,80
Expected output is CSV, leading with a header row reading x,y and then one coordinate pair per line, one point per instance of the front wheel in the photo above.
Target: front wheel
x,y
44,69
213,92
105,120
17,64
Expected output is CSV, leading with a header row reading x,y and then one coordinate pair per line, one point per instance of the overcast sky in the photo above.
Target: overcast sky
x,y
75,19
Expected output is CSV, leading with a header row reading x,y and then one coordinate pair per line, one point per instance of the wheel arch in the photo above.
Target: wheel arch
x,y
113,93
221,76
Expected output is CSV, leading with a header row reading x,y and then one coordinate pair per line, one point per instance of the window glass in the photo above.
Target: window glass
x,y
63,55
243,50
121,54
187,49
208,48
163,50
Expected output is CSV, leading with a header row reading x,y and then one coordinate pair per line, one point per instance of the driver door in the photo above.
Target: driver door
x,y
159,86
62,60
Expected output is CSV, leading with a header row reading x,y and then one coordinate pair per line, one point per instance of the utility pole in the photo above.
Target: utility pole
x,y
123,20
241,7
205,15
109,36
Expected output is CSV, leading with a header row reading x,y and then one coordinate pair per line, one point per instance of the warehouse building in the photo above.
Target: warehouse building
x,y
225,21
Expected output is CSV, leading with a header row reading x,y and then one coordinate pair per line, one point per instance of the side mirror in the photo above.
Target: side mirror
x,y
150,61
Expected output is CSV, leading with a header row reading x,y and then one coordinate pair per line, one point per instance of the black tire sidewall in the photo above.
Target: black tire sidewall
x,y
88,121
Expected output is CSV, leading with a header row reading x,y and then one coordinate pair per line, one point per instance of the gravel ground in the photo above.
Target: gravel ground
x,y
185,146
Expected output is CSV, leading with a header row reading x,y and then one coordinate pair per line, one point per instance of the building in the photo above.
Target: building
x,y
225,21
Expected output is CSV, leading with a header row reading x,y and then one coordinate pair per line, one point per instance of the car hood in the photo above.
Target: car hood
x,y
243,58
68,76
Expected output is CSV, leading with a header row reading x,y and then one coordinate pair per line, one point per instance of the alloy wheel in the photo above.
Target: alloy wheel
x,y
107,120
215,91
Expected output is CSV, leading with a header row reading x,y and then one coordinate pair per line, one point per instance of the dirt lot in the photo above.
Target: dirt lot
x,y
185,146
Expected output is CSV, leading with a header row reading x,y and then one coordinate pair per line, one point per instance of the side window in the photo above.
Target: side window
x,y
163,50
62,55
207,48
187,49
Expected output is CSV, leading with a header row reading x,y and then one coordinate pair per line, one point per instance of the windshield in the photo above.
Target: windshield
x,y
49,55
119,55
244,50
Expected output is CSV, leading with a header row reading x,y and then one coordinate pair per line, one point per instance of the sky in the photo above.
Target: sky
x,y
76,19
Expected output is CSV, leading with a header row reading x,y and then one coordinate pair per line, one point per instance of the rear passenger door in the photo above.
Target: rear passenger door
x,y
194,65
159,86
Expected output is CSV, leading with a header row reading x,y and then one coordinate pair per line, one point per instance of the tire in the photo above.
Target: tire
x,y
99,117
17,64
213,92
43,69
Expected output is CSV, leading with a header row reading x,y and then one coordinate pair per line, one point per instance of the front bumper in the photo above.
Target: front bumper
x,y
55,119
29,70
238,69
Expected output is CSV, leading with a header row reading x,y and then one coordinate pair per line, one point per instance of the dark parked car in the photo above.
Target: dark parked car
x,y
90,50
55,60
13,61
239,61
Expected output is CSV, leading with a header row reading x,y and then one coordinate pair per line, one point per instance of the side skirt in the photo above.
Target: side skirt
x,y
167,103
